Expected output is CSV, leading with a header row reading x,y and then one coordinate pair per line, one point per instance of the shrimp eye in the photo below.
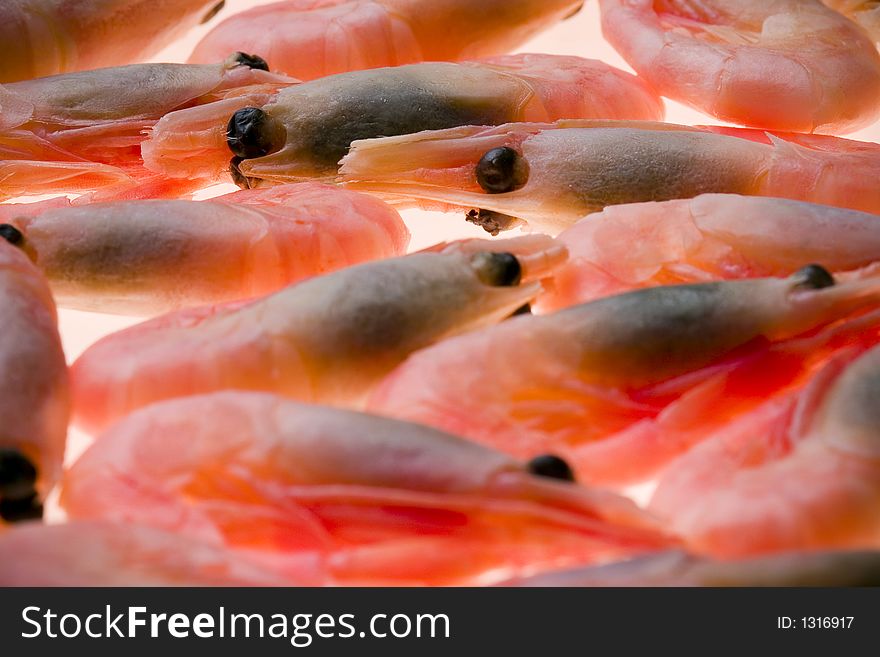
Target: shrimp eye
x,y
814,277
498,269
251,61
251,133
11,234
17,475
550,466
502,170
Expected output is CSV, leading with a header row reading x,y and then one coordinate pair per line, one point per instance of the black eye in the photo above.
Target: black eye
x,y
498,269
550,466
814,277
19,510
502,170
251,61
492,222
17,474
11,234
18,478
250,133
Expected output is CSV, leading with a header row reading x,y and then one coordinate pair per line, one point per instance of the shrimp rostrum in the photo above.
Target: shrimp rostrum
x,y
621,386
328,496
328,339
551,175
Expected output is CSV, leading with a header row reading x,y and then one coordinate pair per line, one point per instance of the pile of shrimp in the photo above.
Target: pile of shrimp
x,y
405,301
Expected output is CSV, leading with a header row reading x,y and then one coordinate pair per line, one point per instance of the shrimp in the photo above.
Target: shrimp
x,y
676,568
34,395
116,554
47,37
328,339
864,12
147,257
308,128
710,237
339,497
77,132
551,175
800,473
621,386
311,39
778,64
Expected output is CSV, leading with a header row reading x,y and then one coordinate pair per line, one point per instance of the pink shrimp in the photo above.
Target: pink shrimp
x,y
675,568
621,386
551,175
80,132
34,398
307,128
311,39
47,37
337,497
116,554
329,339
800,473
147,257
779,64
710,237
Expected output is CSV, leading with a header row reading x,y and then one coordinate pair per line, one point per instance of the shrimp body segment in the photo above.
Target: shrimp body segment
x,y
710,237
34,394
311,39
147,257
328,339
330,496
572,168
621,386
76,132
119,554
799,473
676,568
778,64
47,37
308,128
